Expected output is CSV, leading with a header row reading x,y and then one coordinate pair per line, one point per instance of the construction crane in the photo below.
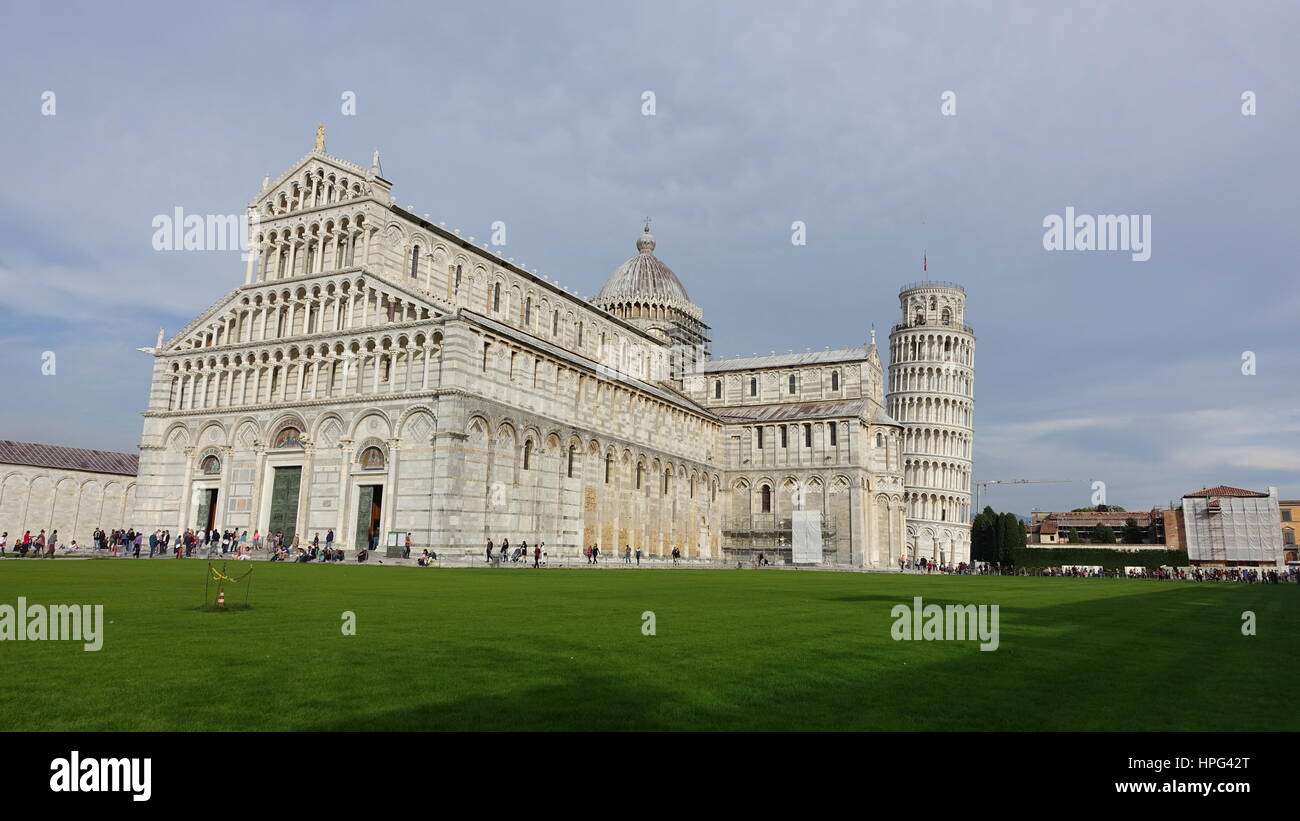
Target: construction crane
x,y
979,486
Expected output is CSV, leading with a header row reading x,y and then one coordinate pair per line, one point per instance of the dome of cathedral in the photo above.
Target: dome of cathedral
x,y
644,277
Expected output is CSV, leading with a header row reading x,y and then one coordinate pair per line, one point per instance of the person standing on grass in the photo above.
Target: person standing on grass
x,y
537,556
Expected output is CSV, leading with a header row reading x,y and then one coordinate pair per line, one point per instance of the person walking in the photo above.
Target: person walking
x,y
489,551
638,557
537,556
595,554
406,551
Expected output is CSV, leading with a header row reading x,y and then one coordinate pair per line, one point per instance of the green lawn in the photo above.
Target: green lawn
x,y
480,649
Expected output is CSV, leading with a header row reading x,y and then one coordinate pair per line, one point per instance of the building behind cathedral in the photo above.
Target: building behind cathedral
x,y
376,374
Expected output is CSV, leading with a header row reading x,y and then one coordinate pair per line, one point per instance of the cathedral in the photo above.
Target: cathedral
x,y
376,375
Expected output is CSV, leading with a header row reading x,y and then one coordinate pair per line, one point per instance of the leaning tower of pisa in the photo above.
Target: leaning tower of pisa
x,y
931,393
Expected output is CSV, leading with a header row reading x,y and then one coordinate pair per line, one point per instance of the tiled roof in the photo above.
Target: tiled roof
x,y
54,456
794,410
787,360
1223,490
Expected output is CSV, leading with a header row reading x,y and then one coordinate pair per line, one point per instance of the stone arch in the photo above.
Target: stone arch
x,y
371,422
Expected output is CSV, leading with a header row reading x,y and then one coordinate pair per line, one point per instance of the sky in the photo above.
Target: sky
x,y
1089,365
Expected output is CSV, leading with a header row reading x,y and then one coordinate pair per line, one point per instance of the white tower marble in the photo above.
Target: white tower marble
x,y
931,392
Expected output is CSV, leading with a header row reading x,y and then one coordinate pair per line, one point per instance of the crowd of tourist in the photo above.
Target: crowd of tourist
x,y
519,555
275,547
210,543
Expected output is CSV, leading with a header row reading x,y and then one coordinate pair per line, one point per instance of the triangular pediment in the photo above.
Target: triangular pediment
x,y
282,190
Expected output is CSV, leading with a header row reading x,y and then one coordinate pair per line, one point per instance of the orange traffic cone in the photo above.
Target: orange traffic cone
x,y
221,597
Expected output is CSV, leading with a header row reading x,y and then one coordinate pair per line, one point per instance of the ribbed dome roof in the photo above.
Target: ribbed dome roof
x,y
644,277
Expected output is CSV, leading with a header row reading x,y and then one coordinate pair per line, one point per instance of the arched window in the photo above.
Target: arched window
x,y
415,262
753,386
528,311
569,469
528,455
835,430
289,437
555,324
639,468
211,465
717,389
793,383
947,316
609,466
457,279
880,440
835,380
372,458
766,494
496,297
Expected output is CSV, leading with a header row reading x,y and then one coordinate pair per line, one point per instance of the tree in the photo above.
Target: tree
x,y
1074,536
1133,534
984,537
1103,534
1011,535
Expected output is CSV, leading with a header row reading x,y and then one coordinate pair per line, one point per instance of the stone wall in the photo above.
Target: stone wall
x,y
72,502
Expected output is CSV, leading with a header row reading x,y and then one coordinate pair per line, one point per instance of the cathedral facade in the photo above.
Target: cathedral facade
x,y
376,375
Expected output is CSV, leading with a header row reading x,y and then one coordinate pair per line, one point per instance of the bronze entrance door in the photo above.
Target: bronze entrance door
x,y
284,502
370,500
207,517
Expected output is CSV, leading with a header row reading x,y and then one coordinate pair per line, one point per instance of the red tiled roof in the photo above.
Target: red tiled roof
x,y
1118,516
1223,490
54,456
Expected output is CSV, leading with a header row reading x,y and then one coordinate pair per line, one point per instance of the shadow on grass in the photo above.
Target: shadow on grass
x,y
232,607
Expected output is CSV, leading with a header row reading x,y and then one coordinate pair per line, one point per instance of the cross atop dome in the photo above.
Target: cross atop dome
x,y
646,242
